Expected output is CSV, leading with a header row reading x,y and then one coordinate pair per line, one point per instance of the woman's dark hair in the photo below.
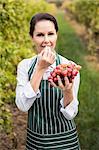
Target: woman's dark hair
x,y
41,16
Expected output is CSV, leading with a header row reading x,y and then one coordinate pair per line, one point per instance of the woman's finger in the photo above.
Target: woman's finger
x,y
68,85
52,83
66,81
60,84
52,56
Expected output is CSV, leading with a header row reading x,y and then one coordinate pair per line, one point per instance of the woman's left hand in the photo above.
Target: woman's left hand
x,y
67,89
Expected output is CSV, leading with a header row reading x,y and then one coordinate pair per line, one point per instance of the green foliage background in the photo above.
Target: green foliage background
x,y
71,46
86,12
15,44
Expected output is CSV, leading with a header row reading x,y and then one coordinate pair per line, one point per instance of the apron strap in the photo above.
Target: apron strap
x,y
31,68
58,60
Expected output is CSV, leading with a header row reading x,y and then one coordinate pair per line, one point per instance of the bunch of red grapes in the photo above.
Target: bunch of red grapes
x,y
64,70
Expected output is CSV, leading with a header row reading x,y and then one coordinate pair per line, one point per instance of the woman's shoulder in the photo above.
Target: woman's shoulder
x,y
26,62
65,60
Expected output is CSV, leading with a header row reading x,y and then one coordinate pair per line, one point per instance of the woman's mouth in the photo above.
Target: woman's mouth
x,y
46,46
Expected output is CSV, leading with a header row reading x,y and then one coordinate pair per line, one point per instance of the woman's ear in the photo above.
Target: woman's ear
x,y
31,37
57,34
33,44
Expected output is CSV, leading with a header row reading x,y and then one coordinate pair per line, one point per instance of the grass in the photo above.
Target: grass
x,y
70,46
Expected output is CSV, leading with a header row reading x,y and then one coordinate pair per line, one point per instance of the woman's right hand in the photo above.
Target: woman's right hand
x,y
45,58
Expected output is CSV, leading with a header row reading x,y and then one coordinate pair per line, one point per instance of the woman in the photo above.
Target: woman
x,y
51,108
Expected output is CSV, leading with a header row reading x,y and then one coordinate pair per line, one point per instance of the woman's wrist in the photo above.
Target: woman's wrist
x,y
68,97
40,68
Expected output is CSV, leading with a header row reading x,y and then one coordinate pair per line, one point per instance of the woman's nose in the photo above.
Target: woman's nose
x,y
46,39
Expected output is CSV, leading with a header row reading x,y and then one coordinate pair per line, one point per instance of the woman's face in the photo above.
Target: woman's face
x,y
44,35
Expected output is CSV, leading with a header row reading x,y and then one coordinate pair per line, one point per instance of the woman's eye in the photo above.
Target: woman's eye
x,y
40,34
51,34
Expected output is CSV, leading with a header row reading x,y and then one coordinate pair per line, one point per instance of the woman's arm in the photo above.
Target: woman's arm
x,y
28,91
25,95
70,102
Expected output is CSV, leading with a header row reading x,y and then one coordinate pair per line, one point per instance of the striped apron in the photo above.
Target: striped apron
x,y
47,128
